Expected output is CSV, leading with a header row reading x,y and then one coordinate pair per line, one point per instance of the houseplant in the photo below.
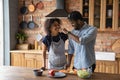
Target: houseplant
x,y
21,37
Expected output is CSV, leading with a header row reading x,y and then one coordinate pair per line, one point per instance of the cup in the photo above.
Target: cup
x,y
109,13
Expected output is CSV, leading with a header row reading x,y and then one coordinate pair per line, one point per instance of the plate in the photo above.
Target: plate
x,y
58,75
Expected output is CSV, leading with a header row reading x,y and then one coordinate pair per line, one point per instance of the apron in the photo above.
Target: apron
x,y
56,57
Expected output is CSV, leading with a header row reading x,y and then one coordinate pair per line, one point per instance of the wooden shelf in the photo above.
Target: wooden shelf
x,y
85,5
108,17
85,17
109,4
97,17
100,8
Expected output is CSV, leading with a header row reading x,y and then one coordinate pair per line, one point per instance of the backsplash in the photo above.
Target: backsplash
x,y
104,39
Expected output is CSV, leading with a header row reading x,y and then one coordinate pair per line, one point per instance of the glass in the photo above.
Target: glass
x,y
97,8
119,16
109,12
86,10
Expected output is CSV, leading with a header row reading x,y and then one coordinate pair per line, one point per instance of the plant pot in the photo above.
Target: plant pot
x,y
21,41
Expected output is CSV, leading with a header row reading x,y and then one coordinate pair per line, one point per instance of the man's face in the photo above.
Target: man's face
x,y
76,24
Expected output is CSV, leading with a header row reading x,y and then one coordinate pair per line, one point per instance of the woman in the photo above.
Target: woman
x,y
54,42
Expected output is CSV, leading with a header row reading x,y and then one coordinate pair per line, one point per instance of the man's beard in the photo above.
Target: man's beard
x,y
77,27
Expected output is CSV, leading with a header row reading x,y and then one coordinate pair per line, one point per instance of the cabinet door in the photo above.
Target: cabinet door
x,y
109,15
97,14
111,67
30,60
103,14
119,66
17,59
119,15
107,66
39,61
99,66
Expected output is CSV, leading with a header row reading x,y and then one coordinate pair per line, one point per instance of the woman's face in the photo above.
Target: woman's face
x,y
55,27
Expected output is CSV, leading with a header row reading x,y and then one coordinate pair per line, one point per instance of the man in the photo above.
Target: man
x,y
81,43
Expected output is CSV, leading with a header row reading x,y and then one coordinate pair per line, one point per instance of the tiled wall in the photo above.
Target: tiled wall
x,y
104,39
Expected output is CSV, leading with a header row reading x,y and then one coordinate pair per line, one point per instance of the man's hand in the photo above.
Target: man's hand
x,y
67,66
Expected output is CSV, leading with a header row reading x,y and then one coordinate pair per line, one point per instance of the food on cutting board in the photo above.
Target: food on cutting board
x,y
69,71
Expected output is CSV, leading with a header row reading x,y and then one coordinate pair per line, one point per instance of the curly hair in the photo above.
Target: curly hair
x,y
48,24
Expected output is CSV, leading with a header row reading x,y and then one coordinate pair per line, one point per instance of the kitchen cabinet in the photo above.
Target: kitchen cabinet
x,y
17,59
119,15
26,59
107,67
33,59
102,14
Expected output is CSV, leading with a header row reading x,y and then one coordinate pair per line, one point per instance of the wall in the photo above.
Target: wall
x,y
10,27
104,39
1,33
13,10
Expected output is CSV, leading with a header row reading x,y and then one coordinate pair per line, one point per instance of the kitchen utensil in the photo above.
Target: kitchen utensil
x,y
40,5
23,24
31,23
24,9
31,7
116,46
58,75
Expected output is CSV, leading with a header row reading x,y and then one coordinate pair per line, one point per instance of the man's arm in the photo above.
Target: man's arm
x,y
84,39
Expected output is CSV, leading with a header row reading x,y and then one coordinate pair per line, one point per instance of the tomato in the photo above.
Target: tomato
x,y
51,72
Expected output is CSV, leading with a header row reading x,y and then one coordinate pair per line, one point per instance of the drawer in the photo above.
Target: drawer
x,y
30,56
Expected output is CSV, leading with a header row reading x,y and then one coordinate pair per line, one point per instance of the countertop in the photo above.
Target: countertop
x,y
26,51
117,55
20,73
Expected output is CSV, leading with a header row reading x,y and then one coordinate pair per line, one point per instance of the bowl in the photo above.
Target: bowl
x,y
38,72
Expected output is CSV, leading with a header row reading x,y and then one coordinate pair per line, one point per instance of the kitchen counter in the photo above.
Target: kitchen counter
x,y
29,51
20,73
26,51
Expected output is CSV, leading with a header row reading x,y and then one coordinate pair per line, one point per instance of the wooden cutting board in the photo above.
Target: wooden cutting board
x,y
116,46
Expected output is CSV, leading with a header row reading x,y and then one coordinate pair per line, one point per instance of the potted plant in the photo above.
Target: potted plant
x,y
21,37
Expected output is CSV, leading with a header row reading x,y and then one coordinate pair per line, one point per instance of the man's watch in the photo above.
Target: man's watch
x,y
68,32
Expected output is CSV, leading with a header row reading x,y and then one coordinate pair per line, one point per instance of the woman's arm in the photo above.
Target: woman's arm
x,y
44,48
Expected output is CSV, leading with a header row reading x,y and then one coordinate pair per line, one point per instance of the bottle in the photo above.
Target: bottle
x,y
36,45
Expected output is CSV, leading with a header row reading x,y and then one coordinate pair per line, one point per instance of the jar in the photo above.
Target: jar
x,y
109,13
86,13
86,2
